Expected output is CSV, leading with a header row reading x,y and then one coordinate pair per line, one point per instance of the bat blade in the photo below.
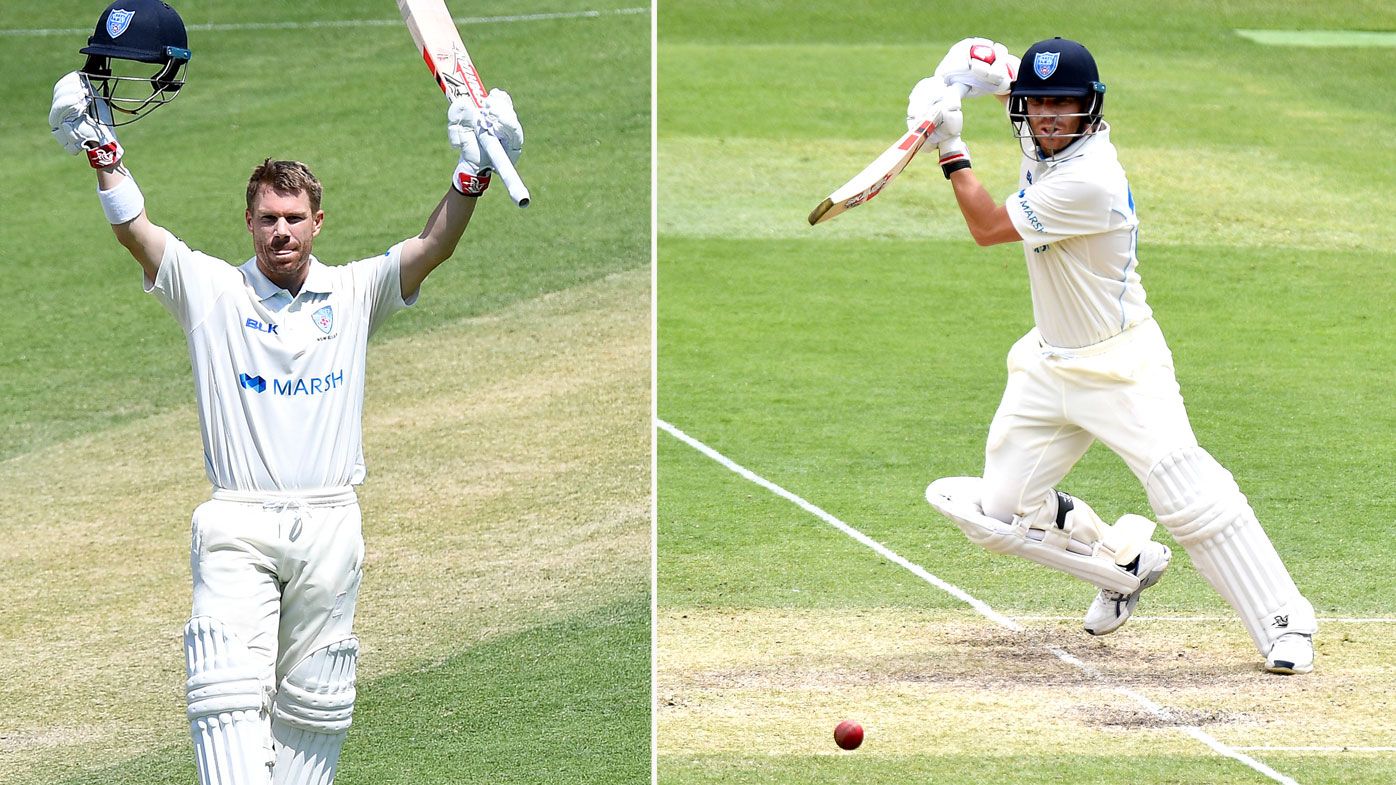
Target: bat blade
x,y
435,34
875,176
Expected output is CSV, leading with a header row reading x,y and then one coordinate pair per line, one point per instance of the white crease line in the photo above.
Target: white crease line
x,y
1134,619
979,605
341,23
881,549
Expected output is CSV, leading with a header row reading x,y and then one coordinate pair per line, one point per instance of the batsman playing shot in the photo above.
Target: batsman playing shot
x,y
1095,366
277,346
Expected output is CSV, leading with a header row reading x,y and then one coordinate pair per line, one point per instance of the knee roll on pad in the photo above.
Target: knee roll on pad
x,y
1202,507
1194,497
1082,546
311,714
225,706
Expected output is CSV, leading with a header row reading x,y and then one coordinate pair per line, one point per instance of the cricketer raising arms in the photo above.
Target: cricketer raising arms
x,y
277,347
1095,366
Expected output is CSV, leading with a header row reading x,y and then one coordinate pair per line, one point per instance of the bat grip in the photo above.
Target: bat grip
x,y
501,163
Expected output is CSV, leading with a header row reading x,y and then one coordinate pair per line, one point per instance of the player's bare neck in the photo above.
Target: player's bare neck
x,y
290,280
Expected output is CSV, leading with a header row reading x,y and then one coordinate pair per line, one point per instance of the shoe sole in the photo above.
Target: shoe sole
x,y
1287,668
1149,580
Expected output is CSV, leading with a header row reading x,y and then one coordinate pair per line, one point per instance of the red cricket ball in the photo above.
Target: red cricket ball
x,y
848,735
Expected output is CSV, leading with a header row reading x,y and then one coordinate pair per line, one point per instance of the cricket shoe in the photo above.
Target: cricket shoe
x,y
1291,653
1111,609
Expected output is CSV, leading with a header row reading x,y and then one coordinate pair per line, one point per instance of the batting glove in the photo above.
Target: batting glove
x,y
924,97
466,123
985,67
954,156
74,119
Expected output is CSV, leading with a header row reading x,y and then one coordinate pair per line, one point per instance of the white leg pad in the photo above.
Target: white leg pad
x,y
226,707
1198,501
311,715
1080,545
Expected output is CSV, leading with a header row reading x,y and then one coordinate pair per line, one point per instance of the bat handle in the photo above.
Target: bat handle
x,y
501,163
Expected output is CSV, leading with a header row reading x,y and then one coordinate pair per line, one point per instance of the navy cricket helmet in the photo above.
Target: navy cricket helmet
x,y
1057,67
140,31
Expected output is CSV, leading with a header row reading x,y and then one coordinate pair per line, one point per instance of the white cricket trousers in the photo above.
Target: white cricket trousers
x,y
280,571
1121,391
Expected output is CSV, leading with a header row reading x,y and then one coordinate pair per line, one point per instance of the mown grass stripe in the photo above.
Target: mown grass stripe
x,y
1320,38
343,23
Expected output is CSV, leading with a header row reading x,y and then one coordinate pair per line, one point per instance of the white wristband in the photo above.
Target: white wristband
x,y
123,203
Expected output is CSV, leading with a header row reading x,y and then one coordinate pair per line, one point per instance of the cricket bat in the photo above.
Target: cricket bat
x,y
440,43
870,182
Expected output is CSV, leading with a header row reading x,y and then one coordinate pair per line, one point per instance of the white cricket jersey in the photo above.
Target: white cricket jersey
x,y
279,380
1080,235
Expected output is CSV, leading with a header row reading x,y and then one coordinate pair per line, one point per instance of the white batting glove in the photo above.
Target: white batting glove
x,y
985,66
466,123
923,98
954,155
71,117
949,120
935,101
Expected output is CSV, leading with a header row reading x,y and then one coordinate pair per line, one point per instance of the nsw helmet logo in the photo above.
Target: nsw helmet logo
x,y
118,21
1044,64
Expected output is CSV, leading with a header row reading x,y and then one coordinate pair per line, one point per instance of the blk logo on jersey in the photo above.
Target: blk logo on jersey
x,y
253,324
253,383
118,22
1044,64
324,319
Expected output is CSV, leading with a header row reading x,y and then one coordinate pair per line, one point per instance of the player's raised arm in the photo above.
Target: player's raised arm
x,y
466,124
987,220
81,123
982,67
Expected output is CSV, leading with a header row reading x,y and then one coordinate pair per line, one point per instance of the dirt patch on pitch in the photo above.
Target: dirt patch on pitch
x,y
1129,718
940,677
508,484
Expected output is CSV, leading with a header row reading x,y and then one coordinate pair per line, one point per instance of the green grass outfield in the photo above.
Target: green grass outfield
x,y
853,362
505,609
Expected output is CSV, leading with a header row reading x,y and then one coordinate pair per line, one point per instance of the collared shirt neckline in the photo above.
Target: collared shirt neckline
x,y
317,280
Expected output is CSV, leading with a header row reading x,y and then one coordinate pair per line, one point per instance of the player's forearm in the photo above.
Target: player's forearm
x,y
987,220
144,240
446,225
436,243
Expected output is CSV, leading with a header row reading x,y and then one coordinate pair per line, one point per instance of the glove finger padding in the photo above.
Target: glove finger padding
x,y
501,120
949,122
71,118
461,120
472,175
923,98
70,98
985,66
67,116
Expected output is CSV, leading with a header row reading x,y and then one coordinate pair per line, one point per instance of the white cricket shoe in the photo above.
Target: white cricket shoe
x,y
1111,609
1291,653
